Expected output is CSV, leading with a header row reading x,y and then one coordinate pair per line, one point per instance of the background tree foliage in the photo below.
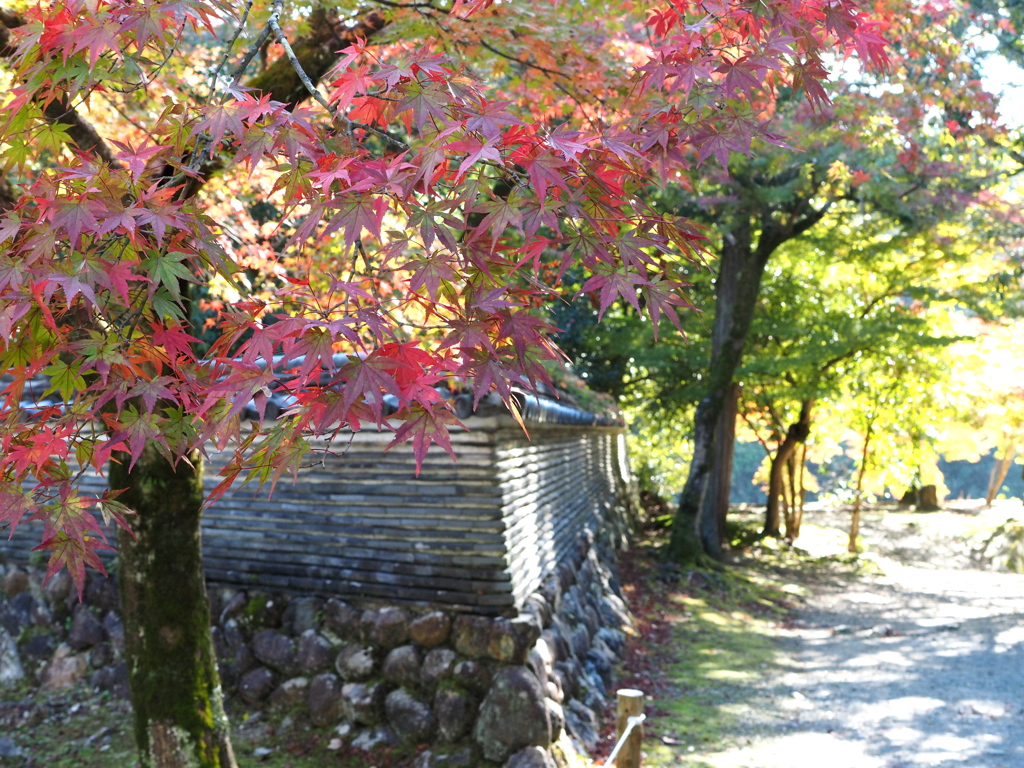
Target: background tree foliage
x,y
902,180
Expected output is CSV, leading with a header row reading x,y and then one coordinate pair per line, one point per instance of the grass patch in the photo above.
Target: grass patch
x,y
722,635
68,729
78,728
707,640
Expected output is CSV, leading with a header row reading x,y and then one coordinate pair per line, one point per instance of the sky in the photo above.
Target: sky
x,y
1006,80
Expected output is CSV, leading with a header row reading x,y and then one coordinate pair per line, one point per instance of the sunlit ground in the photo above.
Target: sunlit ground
x,y
914,663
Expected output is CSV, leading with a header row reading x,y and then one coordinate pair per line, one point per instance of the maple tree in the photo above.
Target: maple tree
x,y
897,157
421,160
915,146
843,300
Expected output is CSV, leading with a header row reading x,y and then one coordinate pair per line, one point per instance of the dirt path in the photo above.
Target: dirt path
x,y
922,665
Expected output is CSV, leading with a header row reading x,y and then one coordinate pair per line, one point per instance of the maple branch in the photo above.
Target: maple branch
x,y
317,52
579,104
510,57
315,92
554,73
230,45
250,53
8,197
145,81
303,77
117,108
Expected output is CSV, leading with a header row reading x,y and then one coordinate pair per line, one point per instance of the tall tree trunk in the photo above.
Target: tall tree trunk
x,y
794,534
741,267
855,517
175,688
999,472
791,501
716,501
795,435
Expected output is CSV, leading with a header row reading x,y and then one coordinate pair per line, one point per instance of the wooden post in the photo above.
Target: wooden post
x,y
630,704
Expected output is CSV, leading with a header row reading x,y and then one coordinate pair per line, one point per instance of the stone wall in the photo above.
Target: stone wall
x,y
473,536
481,690
474,608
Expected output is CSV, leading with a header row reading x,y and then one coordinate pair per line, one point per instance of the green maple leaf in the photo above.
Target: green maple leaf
x,y
64,378
168,271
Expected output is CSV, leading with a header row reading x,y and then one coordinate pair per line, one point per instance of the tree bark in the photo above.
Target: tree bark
x,y
175,687
717,499
790,516
999,472
795,435
794,534
855,517
741,267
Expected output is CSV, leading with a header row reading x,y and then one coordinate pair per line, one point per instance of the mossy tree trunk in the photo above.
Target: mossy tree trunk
x,y
172,670
751,232
716,502
695,530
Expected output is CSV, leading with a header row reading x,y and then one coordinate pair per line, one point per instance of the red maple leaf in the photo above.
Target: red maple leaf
x,y
426,425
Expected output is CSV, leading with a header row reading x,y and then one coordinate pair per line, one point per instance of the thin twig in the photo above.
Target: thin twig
x,y
199,153
510,57
144,83
129,118
254,49
231,44
315,92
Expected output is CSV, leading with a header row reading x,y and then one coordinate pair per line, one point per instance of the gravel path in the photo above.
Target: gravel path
x,y
921,666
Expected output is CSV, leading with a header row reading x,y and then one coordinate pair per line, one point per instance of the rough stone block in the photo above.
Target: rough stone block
x,y
11,670
471,635
531,757
510,641
276,650
256,685
324,699
410,719
402,666
86,630
355,662
314,652
472,675
342,619
363,702
390,628
437,665
15,582
514,715
303,614
115,631
454,711
290,693
430,630
582,723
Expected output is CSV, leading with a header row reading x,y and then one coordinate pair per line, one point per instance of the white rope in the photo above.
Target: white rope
x,y
631,723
